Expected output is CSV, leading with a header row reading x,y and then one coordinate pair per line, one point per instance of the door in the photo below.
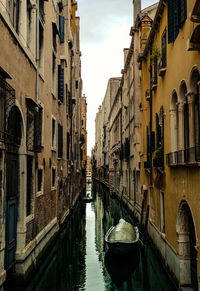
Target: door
x,y
12,175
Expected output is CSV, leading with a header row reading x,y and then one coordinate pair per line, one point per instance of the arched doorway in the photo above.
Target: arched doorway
x,y
187,246
13,141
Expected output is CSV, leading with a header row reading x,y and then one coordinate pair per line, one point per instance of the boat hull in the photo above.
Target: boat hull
x,y
122,247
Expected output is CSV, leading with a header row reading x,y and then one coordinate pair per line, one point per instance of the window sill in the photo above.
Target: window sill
x,y
53,188
53,150
162,71
53,96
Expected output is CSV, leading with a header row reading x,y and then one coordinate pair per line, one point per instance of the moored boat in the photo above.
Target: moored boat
x,y
122,238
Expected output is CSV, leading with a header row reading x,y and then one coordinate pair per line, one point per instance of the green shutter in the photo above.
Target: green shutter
x,y
60,83
60,141
173,23
62,28
164,49
182,11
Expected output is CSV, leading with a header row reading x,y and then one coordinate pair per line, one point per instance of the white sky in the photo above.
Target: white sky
x,y
104,33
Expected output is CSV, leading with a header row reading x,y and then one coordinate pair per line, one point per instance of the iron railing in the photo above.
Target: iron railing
x,y
184,157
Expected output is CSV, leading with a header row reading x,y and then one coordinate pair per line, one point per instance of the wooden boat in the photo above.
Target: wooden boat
x,y
122,238
120,268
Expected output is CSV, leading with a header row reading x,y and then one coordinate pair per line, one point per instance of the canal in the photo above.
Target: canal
x,y
79,259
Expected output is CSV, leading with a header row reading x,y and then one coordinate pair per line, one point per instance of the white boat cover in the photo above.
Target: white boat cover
x,y
123,232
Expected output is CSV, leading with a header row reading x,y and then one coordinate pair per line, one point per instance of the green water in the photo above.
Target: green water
x,y
79,259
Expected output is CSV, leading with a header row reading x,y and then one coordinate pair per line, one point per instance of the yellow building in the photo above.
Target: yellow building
x,y
170,175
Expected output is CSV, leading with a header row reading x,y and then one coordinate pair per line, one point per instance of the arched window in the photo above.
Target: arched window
x,y
184,100
174,122
194,79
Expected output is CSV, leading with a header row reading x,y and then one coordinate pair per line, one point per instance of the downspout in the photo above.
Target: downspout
x,y
150,77
121,129
71,114
129,133
37,51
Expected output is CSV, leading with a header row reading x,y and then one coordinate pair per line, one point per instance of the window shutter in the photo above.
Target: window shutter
x,y
152,141
67,145
38,130
62,28
155,70
173,27
182,11
60,83
148,144
157,131
60,141
53,131
164,50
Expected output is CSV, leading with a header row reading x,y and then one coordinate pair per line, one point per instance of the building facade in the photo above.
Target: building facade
x,y
40,95
155,120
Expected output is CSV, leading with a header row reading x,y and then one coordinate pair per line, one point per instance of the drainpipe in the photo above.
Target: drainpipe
x,y
121,128
71,114
37,51
150,77
129,133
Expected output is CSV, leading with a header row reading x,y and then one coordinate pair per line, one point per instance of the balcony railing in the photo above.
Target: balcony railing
x,y
190,156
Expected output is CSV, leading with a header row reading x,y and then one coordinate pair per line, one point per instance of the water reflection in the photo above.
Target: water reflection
x,y
79,259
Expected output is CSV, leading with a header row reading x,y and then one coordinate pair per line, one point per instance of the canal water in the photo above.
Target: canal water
x,y
79,259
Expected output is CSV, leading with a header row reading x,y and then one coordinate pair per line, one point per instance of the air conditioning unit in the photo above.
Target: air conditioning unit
x,y
147,95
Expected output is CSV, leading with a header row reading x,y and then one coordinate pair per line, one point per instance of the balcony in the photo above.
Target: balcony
x,y
187,157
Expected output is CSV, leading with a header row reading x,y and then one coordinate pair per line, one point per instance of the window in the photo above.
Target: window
x,y
53,70
155,70
60,141
62,28
162,212
13,10
177,14
53,177
41,45
53,133
68,140
76,84
54,44
164,50
40,181
30,130
29,183
60,83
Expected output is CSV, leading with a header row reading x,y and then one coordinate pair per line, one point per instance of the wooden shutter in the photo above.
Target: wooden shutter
x,y
62,28
182,11
67,145
155,70
38,130
60,83
173,23
164,49
60,141
152,141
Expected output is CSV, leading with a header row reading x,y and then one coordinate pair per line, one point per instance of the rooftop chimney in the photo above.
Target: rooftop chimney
x,y
136,8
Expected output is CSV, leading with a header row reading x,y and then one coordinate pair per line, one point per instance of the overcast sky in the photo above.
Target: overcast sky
x,y
104,29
